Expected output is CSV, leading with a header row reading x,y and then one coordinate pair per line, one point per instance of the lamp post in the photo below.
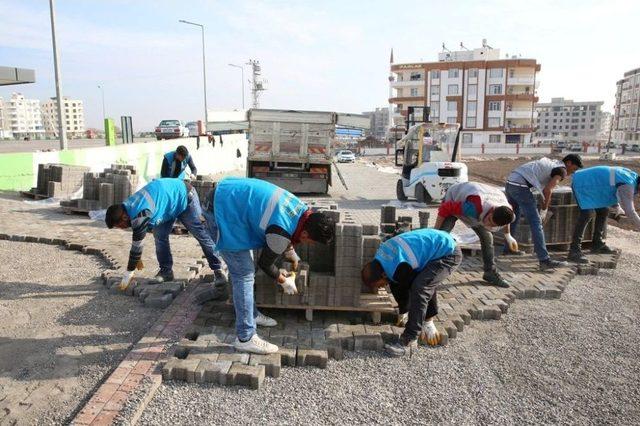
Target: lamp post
x,y
104,115
204,70
242,76
62,130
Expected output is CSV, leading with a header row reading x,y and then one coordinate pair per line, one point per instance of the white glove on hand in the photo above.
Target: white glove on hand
x,y
289,284
543,215
126,280
511,242
193,177
292,257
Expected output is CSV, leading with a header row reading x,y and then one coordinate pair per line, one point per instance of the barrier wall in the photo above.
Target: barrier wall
x,y
18,171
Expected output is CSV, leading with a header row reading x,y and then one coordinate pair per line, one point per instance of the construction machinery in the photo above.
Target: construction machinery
x,y
292,149
429,155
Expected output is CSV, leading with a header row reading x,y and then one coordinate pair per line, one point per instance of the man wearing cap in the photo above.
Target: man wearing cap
x,y
597,189
483,208
174,164
542,175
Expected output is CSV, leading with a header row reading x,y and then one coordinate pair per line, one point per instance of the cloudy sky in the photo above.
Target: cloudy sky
x,y
330,55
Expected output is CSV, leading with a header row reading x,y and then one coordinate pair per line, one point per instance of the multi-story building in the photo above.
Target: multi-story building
x,y
21,117
379,123
564,119
605,125
626,120
491,98
5,125
73,113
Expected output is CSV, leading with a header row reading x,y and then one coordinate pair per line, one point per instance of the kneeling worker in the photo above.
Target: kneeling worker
x,y
155,208
598,188
250,214
483,208
414,264
174,164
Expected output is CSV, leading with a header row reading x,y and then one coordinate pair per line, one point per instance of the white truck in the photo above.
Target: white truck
x,y
292,149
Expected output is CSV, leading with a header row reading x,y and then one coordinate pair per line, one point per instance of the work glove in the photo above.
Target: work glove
x,y
139,265
511,242
617,213
289,284
126,280
193,177
430,334
402,319
292,257
543,215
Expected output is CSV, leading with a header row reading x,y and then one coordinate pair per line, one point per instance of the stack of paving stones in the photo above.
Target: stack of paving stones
x,y
58,180
100,190
203,184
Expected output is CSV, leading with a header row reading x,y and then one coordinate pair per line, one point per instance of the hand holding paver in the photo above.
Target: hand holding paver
x,y
513,244
543,216
289,284
292,257
126,280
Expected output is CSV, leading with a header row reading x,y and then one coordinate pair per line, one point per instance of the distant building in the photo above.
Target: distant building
x,y
564,119
74,117
491,98
626,119
605,125
379,122
20,117
5,125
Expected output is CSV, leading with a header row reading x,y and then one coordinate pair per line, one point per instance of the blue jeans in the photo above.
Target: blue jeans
x,y
190,218
242,274
523,202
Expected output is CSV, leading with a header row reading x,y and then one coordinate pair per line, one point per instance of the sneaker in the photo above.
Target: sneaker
x,y
603,249
552,264
255,345
400,347
494,278
513,253
264,321
576,256
163,277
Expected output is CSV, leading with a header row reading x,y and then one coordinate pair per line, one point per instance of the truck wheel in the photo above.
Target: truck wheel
x,y
422,195
400,191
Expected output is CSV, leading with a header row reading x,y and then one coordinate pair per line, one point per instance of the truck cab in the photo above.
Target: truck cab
x,y
428,155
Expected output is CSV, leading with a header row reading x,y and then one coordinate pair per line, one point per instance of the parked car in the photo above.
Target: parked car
x,y
171,129
561,144
635,148
575,147
193,128
346,156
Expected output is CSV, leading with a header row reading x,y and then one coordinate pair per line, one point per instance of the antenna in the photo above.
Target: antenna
x,y
462,46
444,48
484,44
257,82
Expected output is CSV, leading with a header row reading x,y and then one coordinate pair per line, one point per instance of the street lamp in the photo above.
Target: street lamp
x,y
104,115
62,130
242,76
204,70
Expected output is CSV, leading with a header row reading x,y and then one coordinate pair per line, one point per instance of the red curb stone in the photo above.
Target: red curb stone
x,y
104,393
89,413
117,401
142,367
105,418
131,382
118,375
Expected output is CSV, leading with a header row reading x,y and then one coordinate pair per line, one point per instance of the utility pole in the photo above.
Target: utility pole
x,y
257,83
204,70
104,115
242,76
62,130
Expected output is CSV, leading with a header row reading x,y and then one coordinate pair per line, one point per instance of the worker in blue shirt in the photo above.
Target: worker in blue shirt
x,y
155,208
414,264
596,189
250,214
174,164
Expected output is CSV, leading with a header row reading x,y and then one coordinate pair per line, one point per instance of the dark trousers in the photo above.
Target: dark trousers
x,y
420,299
599,227
486,242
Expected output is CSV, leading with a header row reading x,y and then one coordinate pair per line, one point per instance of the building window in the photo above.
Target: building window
x,y
495,72
414,91
435,91
415,76
467,138
494,122
471,108
471,122
452,89
473,73
495,138
454,73
495,89
452,106
435,109
435,74
451,120
495,106
472,90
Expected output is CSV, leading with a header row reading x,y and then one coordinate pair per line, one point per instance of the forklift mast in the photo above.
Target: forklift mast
x,y
415,115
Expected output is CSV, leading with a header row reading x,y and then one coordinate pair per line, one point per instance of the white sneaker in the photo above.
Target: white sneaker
x,y
255,345
264,321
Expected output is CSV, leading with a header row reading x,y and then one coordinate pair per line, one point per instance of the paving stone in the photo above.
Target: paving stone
x,y
212,371
368,341
271,362
287,356
250,376
312,357
185,369
236,358
168,369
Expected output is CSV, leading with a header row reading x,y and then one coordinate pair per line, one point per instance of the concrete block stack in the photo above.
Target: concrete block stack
x,y
58,180
100,190
203,184
149,292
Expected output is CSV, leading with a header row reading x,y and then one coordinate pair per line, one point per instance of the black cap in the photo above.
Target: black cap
x,y
574,158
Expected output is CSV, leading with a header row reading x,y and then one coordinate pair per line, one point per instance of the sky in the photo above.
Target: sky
x,y
329,55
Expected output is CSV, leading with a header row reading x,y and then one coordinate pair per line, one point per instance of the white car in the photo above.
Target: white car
x,y
346,156
193,128
171,129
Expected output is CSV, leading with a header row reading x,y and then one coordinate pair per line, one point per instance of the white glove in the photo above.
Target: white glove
x,y
126,280
543,215
289,284
511,242
193,177
292,257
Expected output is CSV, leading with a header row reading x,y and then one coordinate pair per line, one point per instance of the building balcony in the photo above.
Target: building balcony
x,y
406,99
524,80
518,113
407,83
519,128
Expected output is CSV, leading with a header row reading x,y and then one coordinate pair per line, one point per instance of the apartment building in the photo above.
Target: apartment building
x,y
20,117
5,125
564,119
74,117
491,98
379,123
626,119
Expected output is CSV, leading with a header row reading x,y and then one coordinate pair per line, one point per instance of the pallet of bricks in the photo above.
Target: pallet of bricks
x,y
57,181
100,190
329,276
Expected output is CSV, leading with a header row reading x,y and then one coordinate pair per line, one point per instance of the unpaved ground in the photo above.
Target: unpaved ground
x,y
61,332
